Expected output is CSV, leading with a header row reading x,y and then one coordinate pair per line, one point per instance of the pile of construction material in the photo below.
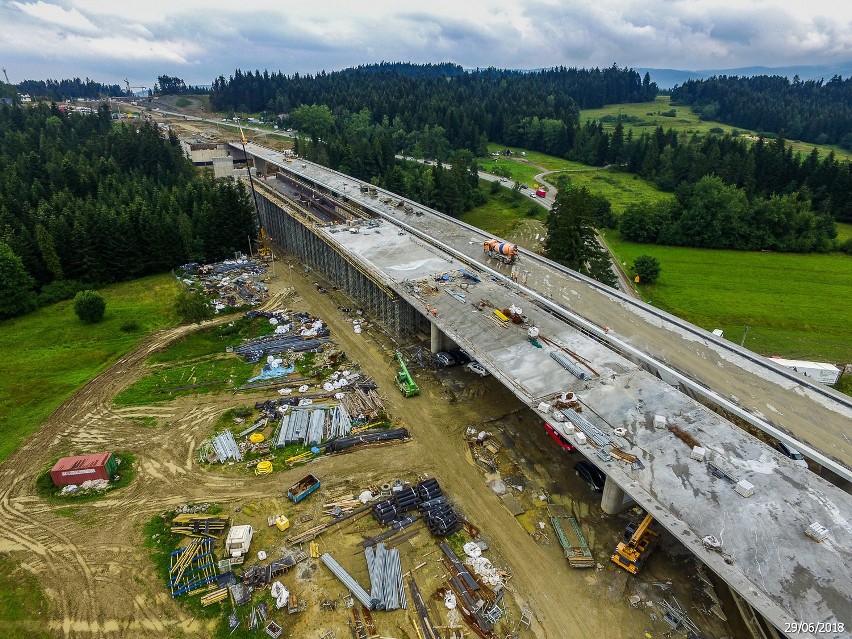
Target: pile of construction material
x,y
426,497
254,350
224,447
364,402
385,570
196,525
368,437
191,567
230,283
312,426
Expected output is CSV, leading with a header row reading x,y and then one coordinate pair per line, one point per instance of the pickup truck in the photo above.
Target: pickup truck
x,y
302,488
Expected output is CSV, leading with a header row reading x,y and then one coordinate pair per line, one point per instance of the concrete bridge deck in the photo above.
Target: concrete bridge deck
x,y
765,556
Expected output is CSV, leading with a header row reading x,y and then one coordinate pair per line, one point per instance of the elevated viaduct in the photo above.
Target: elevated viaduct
x,y
408,265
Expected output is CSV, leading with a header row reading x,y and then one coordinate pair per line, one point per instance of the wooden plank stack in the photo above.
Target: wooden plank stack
x,y
200,525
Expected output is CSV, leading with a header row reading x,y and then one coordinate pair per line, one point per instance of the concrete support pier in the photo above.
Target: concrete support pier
x,y
439,340
614,499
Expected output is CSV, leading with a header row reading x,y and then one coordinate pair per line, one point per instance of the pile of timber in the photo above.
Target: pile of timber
x,y
199,525
363,403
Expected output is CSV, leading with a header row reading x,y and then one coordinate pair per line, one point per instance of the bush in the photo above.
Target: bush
x,y
846,246
59,290
182,102
647,269
89,306
129,326
193,307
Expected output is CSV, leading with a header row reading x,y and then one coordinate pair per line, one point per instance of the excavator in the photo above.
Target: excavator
x,y
640,541
403,379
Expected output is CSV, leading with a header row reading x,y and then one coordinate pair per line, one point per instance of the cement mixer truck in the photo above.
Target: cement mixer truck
x,y
503,251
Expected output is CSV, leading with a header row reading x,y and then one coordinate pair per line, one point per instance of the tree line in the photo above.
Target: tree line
x,y
84,201
807,110
69,89
762,169
472,107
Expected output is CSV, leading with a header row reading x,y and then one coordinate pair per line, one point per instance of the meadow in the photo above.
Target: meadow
x,y
793,305
50,353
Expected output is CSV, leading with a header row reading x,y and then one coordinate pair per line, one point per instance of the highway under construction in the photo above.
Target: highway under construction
x,y
657,397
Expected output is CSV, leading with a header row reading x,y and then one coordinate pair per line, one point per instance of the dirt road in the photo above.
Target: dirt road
x,y
100,581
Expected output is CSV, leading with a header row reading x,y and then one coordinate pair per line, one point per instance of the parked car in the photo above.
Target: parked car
x,y
590,474
445,358
460,356
792,453
479,369
556,436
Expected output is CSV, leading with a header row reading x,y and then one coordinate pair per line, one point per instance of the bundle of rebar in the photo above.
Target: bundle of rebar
x,y
385,570
594,433
346,579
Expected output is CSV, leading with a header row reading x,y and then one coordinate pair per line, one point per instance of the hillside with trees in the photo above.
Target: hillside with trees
x,y
538,110
71,89
87,201
811,111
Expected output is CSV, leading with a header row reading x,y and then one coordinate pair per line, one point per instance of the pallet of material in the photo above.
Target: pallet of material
x,y
573,542
199,525
214,597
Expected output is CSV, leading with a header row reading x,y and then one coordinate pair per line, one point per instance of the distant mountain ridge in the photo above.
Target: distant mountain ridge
x,y
668,78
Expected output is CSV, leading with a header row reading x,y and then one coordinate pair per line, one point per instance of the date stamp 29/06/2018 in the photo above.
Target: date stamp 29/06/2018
x,y
797,627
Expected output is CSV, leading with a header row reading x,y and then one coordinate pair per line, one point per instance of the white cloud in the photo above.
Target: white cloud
x,y
201,39
56,15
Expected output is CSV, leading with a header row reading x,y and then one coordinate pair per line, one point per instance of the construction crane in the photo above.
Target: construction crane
x,y
127,84
640,540
6,75
265,250
403,379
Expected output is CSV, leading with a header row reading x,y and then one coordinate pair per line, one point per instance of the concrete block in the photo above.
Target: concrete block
x,y
581,438
744,488
659,421
817,532
698,453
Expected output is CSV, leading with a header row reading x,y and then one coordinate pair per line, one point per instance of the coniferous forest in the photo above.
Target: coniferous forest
x,y
84,200
811,111
359,118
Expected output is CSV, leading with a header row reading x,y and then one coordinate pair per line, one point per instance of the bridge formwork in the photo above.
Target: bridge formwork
x,y
291,229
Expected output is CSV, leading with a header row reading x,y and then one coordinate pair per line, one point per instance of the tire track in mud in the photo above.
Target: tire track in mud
x,y
78,571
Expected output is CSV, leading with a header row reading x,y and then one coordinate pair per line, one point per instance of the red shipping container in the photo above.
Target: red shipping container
x,y
80,468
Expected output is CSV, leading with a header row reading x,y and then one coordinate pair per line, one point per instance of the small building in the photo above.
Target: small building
x,y
820,371
76,470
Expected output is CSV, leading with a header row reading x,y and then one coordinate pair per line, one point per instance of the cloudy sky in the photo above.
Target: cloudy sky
x,y
197,40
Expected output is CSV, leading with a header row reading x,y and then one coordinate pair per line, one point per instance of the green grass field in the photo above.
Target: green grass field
x,y
648,117
621,189
844,232
795,305
23,605
503,212
49,354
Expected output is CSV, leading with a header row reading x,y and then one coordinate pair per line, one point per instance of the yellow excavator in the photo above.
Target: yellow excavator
x,y
640,540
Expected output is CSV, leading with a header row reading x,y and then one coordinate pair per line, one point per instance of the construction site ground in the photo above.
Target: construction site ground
x,y
100,581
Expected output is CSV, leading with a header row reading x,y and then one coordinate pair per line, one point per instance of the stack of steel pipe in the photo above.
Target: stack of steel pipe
x,y
385,570
385,512
346,579
343,443
226,447
341,423
440,518
316,426
428,489
572,367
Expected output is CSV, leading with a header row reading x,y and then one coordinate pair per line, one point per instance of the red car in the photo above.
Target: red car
x,y
559,439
